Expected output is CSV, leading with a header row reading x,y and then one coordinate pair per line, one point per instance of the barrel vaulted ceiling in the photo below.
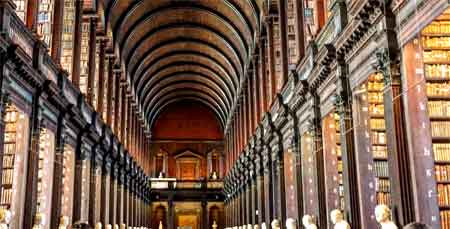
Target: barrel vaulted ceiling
x,y
174,50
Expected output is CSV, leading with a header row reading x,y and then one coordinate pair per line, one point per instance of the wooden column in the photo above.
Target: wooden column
x,y
271,59
282,15
318,151
112,95
204,214
101,78
399,156
57,187
260,202
300,28
96,166
250,102
32,14
33,163
57,28
119,197
118,96
76,64
105,189
256,93
263,80
245,117
91,63
268,189
123,116
113,195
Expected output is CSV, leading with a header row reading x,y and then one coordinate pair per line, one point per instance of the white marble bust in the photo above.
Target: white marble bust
x,y
108,226
308,222
5,218
383,217
98,225
39,221
263,226
64,222
337,218
291,223
275,224
122,226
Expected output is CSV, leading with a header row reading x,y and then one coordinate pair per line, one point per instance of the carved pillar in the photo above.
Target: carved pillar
x,y
33,163
271,59
94,190
282,15
279,192
205,214
253,192
126,200
113,194
58,172
318,148
105,190
57,28
101,78
76,64
268,189
82,180
260,202
394,112
91,64
171,215
120,188
117,100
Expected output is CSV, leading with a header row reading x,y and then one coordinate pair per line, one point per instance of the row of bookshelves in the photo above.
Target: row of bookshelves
x,y
378,138
8,161
436,37
6,197
379,152
436,56
445,219
437,27
383,198
440,129
437,71
375,97
443,194
382,185
381,169
376,109
439,108
436,42
441,152
442,173
438,89
377,123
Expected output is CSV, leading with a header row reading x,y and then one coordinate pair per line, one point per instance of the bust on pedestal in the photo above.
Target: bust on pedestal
x,y
291,223
308,222
64,222
256,226
123,226
5,218
39,220
108,226
275,224
263,226
116,226
338,220
383,216
214,226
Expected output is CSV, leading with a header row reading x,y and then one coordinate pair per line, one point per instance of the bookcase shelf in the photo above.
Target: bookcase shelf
x,y
378,137
435,38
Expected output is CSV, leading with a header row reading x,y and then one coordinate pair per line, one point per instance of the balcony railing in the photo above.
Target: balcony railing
x,y
174,184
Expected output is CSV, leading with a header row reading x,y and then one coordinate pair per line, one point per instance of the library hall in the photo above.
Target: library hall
x,y
225,114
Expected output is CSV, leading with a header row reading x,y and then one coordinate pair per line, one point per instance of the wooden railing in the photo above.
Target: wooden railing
x,y
174,184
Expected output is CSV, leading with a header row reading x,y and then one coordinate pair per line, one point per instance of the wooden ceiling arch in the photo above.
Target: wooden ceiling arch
x,y
177,49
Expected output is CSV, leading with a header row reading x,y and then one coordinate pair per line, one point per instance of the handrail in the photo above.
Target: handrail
x,y
174,184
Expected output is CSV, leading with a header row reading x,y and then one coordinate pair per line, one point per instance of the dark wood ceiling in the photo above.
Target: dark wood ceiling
x,y
183,49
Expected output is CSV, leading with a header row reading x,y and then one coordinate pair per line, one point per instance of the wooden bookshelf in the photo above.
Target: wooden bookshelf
x,y
340,166
9,156
377,125
436,55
